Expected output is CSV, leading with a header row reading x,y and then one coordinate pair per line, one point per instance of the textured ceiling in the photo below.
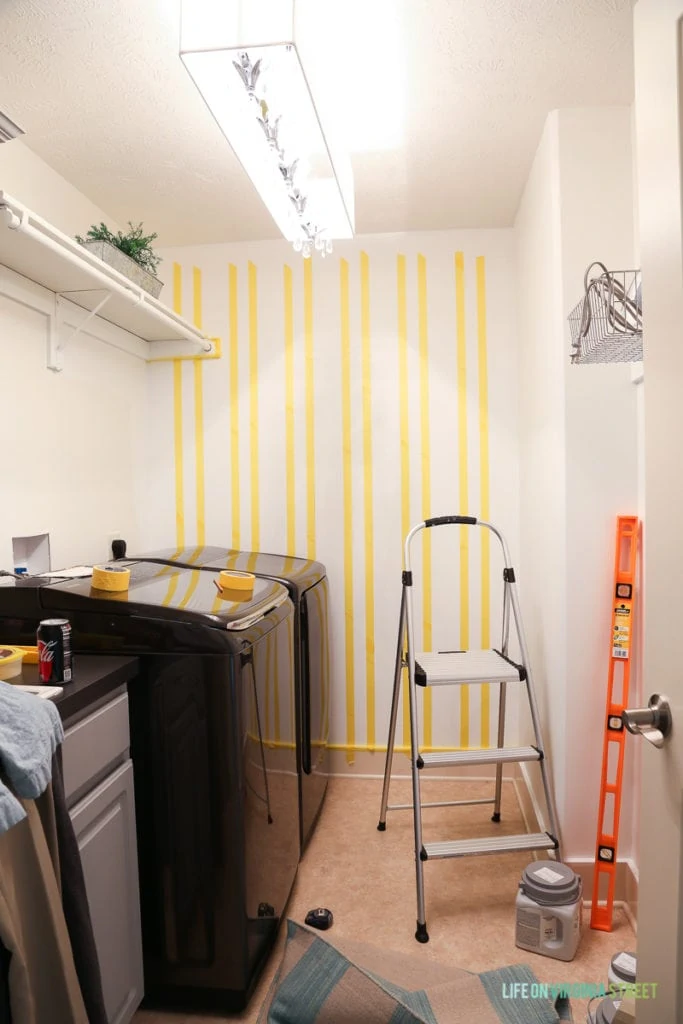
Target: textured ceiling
x,y
444,101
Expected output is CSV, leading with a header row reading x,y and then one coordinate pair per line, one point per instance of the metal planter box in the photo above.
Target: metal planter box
x,y
113,257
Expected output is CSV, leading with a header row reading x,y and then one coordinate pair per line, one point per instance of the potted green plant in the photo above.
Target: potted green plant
x,y
131,254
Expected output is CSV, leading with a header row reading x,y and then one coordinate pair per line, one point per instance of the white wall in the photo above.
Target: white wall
x,y
596,184
28,178
70,439
579,452
542,444
436,395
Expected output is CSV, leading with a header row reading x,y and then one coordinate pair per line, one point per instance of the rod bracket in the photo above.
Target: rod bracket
x,y
60,332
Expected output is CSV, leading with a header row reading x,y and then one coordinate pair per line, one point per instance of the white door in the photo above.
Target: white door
x,y
659,109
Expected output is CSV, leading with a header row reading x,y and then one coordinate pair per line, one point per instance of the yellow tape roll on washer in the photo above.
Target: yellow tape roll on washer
x,y
233,580
112,578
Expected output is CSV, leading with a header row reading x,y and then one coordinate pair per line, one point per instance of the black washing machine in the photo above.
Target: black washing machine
x,y
217,807
308,589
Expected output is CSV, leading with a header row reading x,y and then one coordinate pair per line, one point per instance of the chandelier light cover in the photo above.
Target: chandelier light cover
x,y
246,62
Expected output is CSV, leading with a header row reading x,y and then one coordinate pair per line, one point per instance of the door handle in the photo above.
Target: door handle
x,y
653,723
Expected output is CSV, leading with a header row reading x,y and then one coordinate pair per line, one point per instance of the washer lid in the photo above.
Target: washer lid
x,y
550,883
299,573
161,592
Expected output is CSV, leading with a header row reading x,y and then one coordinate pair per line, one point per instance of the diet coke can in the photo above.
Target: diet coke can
x,y
54,651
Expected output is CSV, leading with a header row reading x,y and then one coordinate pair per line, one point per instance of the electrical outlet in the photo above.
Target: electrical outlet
x,y
114,535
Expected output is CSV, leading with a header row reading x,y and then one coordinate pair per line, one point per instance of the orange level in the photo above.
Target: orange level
x,y
620,650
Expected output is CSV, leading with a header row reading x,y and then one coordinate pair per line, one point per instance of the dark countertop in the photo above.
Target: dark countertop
x,y
95,677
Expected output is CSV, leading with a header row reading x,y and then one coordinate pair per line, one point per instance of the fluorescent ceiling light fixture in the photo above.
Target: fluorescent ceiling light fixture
x,y
247,64
8,129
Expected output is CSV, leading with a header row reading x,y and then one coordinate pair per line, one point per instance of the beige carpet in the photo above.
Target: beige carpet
x,y
367,879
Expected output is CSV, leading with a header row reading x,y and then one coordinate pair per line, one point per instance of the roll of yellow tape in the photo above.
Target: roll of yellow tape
x,y
232,580
112,578
30,654
11,659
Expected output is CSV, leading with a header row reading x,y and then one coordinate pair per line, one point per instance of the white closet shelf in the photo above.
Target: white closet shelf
x,y
40,252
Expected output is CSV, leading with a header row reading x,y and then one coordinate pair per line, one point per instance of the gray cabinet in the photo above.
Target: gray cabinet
x,y
99,776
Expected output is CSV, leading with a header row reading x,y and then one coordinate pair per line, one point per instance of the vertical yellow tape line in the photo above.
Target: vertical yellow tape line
x,y
290,493
199,411
234,407
485,495
461,351
177,436
178,416
253,407
366,368
347,485
310,408
423,341
402,330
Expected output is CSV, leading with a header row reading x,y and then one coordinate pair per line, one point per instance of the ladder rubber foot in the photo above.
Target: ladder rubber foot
x,y
421,933
382,827
495,816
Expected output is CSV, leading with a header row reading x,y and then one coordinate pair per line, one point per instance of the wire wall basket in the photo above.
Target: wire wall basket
x,y
607,325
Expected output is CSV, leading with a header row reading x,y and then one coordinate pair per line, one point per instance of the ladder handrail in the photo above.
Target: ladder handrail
x,y
455,520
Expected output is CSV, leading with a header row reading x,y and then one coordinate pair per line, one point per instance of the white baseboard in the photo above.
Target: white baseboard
x,y
626,883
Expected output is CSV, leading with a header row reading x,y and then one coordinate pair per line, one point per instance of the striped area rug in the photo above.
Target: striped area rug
x,y
349,983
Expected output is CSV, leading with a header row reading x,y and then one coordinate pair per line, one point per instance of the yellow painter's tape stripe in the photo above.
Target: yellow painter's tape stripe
x,y
463,501
366,366
485,498
423,340
199,411
310,408
290,493
199,451
402,331
178,416
234,407
253,407
197,297
194,582
347,485
177,289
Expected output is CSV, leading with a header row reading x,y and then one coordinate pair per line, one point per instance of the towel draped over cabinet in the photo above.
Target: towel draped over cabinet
x,y
49,972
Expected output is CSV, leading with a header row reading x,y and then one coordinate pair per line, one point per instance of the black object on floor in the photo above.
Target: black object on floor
x,y
319,918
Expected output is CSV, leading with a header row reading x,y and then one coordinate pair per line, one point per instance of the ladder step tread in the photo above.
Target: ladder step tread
x,y
439,668
493,755
491,844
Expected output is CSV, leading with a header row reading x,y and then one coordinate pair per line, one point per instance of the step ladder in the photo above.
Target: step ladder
x,y
452,668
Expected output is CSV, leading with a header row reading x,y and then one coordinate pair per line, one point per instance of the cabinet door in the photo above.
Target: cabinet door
x,y
104,822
